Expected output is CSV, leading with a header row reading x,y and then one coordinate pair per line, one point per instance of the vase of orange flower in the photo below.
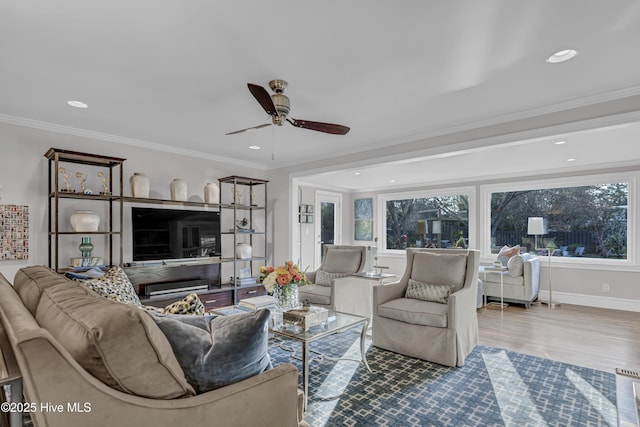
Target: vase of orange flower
x,y
282,282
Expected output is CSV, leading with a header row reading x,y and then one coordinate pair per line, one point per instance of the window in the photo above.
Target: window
x,y
584,221
425,220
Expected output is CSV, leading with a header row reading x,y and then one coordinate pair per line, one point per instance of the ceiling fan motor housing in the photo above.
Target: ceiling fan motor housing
x,y
282,105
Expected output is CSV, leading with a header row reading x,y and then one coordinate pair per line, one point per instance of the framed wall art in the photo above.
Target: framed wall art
x,y
14,235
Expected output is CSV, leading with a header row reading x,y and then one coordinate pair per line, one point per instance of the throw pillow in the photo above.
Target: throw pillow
x,y
506,252
324,278
190,304
116,343
215,351
515,266
114,285
428,292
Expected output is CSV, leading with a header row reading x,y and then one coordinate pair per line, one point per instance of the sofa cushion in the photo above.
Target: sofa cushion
x,y
415,312
428,292
114,285
440,269
342,260
315,294
215,351
190,304
117,343
324,278
30,282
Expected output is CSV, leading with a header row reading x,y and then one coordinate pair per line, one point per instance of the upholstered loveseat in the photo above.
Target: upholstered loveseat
x,y
136,378
521,280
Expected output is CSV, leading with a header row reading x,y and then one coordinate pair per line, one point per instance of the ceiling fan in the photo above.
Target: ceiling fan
x,y
278,106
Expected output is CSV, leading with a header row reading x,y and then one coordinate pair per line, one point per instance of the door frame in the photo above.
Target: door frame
x,y
322,195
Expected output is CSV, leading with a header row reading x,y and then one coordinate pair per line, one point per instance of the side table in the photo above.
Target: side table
x,y
499,269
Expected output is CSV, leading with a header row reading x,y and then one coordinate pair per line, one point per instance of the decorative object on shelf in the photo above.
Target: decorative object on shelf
x,y
140,185
178,190
283,282
243,225
83,179
211,193
105,188
237,196
85,247
66,176
243,250
85,221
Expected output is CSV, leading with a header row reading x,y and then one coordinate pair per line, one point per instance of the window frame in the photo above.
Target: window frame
x,y
382,199
630,178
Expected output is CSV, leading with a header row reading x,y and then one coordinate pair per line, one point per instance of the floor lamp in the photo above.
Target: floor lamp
x,y
537,226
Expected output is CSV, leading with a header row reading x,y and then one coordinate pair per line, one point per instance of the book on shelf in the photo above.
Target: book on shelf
x,y
246,281
256,303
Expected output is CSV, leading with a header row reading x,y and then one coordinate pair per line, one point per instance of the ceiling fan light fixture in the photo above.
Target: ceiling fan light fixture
x,y
77,104
562,56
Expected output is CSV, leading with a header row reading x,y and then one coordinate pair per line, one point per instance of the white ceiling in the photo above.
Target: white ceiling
x,y
169,73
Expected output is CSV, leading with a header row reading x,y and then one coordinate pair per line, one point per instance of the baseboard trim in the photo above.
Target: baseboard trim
x,y
592,301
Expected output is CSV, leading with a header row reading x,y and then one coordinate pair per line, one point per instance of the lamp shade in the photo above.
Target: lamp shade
x,y
421,227
537,226
436,227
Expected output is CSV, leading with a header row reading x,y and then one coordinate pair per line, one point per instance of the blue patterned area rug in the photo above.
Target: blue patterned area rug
x,y
495,387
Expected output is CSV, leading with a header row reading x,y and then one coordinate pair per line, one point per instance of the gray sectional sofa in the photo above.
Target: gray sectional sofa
x,y
114,360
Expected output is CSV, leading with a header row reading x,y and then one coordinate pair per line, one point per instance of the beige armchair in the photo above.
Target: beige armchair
x,y
411,324
338,261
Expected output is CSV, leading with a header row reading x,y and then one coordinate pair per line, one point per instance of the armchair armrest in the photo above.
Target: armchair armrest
x,y
461,303
386,292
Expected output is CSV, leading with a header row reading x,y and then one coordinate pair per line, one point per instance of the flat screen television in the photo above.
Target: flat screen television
x,y
166,234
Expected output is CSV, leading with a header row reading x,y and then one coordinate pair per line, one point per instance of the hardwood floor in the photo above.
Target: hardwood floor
x,y
585,336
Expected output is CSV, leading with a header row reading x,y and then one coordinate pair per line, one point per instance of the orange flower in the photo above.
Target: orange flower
x,y
283,279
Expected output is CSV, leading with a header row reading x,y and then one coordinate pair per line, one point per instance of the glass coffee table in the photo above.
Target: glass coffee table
x,y
337,322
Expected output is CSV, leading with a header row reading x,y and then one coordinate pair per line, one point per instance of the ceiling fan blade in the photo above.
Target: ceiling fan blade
x,y
248,129
263,97
319,126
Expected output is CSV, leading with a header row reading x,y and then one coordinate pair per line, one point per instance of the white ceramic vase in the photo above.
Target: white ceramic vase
x,y
84,221
243,251
178,190
211,193
139,185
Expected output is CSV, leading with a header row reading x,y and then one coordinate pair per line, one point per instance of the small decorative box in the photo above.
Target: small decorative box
x,y
307,317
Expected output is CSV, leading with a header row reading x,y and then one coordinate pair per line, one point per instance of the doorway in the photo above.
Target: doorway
x,y
328,210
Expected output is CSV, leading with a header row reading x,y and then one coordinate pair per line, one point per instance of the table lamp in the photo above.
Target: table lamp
x,y
421,229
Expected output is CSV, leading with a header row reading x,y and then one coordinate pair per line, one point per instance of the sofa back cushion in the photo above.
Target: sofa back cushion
x,y
215,351
30,282
117,343
342,260
440,269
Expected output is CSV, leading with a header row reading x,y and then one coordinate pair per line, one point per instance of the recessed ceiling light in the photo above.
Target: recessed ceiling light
x,y
357,173
571,160
562,55
560,142
254,147
392,180
77,104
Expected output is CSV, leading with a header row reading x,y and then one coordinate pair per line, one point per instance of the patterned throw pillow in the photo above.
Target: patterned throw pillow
x,y
506,253
190,304
114,285
428,292
324,278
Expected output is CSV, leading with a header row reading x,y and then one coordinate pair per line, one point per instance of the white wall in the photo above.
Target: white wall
x,y
23,177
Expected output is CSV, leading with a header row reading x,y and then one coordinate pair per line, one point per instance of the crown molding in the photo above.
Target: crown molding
x,y
68,130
